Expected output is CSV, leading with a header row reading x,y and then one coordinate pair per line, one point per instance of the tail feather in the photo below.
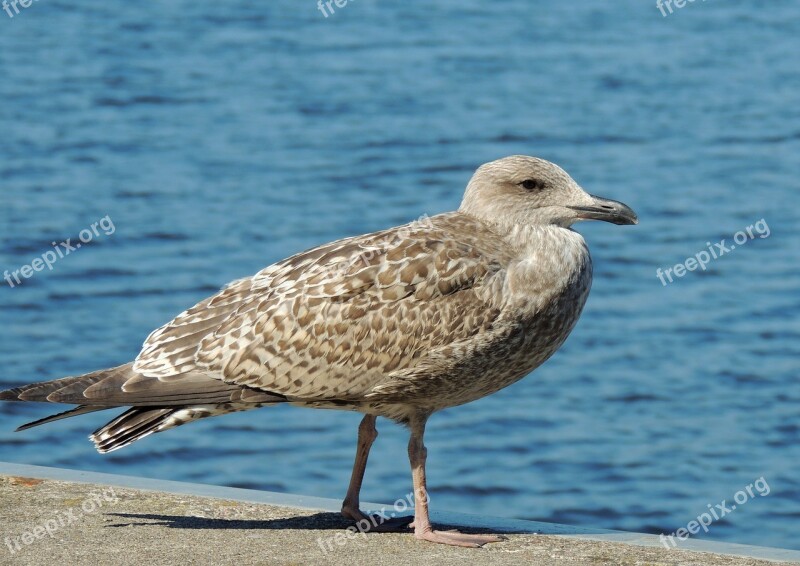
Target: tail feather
x,y
156,404
139,422
129,427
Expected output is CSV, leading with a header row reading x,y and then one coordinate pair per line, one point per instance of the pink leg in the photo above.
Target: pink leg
x,y
417,454
367,433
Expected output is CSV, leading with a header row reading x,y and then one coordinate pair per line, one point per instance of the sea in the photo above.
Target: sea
x,y
185,144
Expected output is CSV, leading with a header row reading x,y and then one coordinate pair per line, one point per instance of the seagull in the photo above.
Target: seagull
x,y
399,324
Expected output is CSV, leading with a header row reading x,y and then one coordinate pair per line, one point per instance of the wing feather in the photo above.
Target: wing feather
x,y
333,322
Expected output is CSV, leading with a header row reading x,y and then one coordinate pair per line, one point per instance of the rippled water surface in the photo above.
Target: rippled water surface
x,y
222,137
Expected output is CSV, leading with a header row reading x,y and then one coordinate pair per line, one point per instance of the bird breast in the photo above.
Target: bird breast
x,y
554,264
544,292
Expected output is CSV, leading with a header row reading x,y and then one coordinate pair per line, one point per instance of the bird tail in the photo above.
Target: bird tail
x,y
139,422
156,404
129,427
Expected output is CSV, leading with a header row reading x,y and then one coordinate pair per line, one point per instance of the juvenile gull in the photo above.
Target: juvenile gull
x,y
398,324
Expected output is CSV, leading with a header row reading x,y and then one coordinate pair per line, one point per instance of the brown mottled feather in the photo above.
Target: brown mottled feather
x,y
395,323
334,322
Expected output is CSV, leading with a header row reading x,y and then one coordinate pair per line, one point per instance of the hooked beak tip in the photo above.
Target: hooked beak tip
x,y
607,210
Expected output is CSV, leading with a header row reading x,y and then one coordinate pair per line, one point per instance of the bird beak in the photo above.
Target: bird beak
x,y
607,210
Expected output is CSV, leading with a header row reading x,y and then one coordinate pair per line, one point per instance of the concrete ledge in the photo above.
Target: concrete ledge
x,y
50,515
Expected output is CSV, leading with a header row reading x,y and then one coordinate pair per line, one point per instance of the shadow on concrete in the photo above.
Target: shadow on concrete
x,y
317,521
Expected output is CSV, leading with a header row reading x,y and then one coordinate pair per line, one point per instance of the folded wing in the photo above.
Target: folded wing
x,y
332,322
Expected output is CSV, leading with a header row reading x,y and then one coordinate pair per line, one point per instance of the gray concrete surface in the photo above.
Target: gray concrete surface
x,y
50,516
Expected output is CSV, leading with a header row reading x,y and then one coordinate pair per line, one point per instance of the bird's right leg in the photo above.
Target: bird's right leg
x,y
367,433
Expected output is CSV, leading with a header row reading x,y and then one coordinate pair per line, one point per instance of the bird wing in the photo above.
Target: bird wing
x,y
332,322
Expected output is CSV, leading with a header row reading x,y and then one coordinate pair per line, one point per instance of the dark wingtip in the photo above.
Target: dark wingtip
x,y
79,410
10,395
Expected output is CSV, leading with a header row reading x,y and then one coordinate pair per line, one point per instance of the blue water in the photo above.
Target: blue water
x,y
220,138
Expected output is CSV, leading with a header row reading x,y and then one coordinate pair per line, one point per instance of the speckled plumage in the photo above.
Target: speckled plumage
x,y
436,318
399,323
416,318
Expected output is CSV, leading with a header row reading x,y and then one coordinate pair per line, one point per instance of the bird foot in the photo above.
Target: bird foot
x,y
375,523
455,538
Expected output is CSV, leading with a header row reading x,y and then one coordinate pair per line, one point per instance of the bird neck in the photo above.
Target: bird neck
x,y
528,239
550,260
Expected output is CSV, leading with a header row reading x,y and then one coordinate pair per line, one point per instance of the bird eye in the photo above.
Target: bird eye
x,y
532,184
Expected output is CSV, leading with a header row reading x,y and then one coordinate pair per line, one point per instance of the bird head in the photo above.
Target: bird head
x,y
522,190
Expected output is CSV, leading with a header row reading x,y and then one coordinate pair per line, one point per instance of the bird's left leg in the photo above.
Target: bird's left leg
x,y
367,433
417,454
